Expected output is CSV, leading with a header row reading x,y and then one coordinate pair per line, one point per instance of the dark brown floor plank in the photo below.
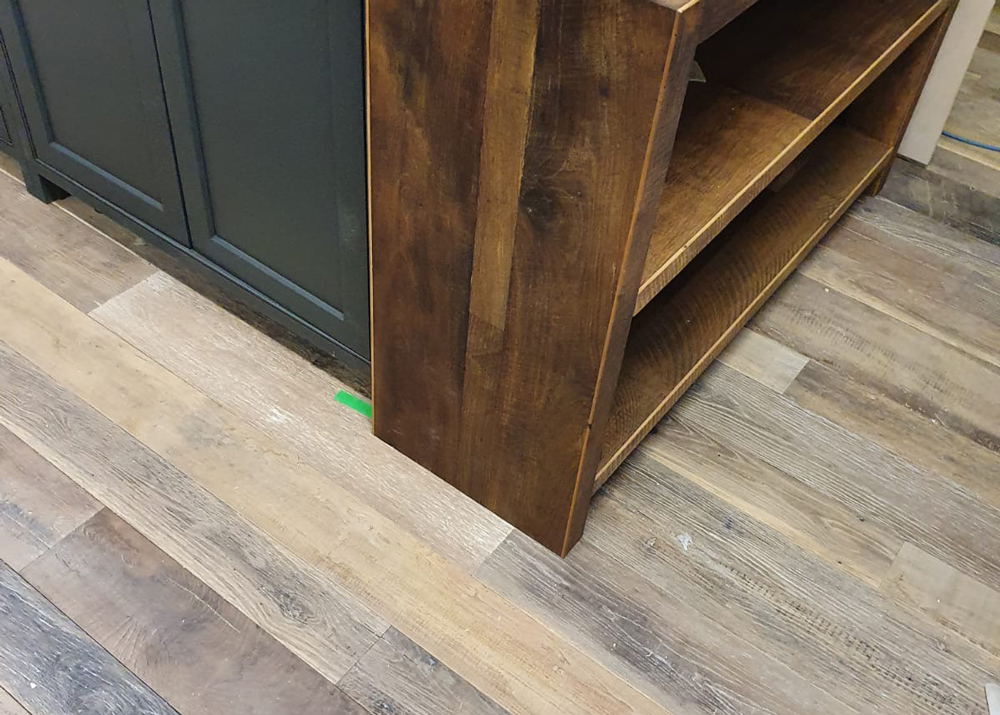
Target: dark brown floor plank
x,y
304,610
943,296
834,631
190,645
70,259
53,668
920,441
399,677
913,504
659,643
39,505
914,368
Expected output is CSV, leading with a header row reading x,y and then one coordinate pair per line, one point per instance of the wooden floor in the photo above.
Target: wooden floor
x,y
190,523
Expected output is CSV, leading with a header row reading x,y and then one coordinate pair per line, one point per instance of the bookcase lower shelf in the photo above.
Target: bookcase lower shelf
x,y
686,326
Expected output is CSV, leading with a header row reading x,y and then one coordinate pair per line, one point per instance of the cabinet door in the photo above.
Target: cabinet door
x,y
90,84
267,106
8,103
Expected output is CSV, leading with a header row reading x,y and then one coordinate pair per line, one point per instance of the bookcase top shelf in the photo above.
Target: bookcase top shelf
x,y
776,78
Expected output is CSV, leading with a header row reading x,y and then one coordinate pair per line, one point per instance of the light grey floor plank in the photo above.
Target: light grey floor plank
x,y
397,676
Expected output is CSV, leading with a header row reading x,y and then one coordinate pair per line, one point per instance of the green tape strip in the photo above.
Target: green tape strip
x,y
355,403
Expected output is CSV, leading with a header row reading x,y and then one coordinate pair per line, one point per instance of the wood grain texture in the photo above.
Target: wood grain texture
x,y
885,109
314,618
729,146
685,327
939,295
803,514
300,607
880,352
52,667
476,633
766,361
913,504
810,57
576,107
946,595
60,252
895,220
294,403
660,643
9,706
839,635
974,114
946,201
38,504
183,640
734,139
922,441
954,161
397,676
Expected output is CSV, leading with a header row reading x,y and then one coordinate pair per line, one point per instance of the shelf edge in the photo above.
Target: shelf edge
x,y
649,288
608,468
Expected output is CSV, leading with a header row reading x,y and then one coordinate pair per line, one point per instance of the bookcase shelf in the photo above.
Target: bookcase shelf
x,y
565,230
777,76
686,326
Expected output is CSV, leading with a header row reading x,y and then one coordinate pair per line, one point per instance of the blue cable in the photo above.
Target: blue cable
x,y
970,142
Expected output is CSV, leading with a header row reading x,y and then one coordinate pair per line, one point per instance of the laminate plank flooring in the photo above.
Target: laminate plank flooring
x,y
946,595
293,402
54,248
295,604
199,527
52,667
397,676
377,565
38,504
9,706
201,654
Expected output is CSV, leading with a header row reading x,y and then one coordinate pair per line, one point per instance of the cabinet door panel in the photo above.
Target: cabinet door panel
x,y
5,138
90,84
267,103
8,102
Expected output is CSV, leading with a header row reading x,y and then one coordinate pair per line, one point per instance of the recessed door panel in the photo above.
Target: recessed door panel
x,y
272,156
90,84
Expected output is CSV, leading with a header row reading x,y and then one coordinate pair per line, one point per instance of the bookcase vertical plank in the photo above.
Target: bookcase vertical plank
x,y
885,109
518,150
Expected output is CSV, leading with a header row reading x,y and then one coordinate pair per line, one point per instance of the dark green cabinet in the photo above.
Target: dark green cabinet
x,y
8,104
90,86
6,141
267,103
234,128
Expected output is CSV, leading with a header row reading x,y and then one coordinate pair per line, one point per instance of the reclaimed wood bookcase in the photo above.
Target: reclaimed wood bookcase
x,y
566,229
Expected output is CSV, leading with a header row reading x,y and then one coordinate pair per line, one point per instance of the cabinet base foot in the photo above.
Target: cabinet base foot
x,y
41,188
